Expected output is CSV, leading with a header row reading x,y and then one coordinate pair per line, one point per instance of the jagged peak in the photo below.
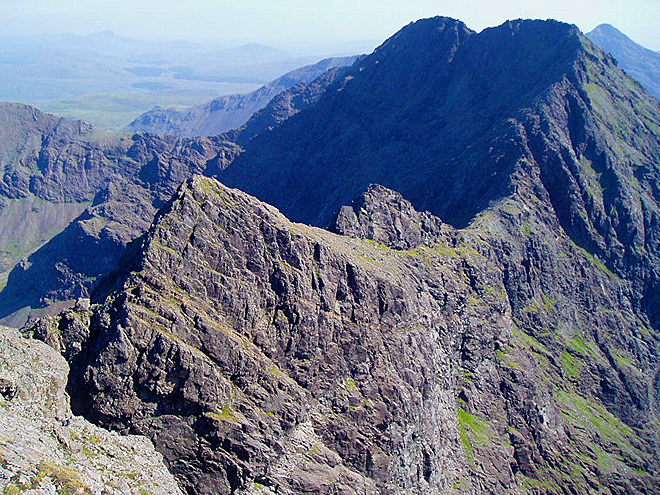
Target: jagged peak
x,y
435,34
429,25
540,25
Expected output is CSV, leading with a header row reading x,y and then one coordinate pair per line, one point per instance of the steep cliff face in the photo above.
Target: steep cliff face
x,y
283,354
45,449
261,354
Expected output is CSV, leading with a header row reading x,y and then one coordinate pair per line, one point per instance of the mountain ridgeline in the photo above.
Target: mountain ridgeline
x,y
505,340
458,121
436,95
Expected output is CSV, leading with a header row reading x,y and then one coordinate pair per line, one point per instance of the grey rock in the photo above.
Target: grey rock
x,y
260,354
283,354
385,217
45,449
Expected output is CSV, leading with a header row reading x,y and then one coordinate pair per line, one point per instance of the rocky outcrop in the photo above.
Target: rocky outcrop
x,y
295,360
227,112
45,449
285,355
385,217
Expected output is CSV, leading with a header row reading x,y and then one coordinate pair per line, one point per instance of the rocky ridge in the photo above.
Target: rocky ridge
x,y
294,360
45,449
278,334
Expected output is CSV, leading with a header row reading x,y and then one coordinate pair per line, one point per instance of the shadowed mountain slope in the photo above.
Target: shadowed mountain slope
x,y
50,170
403,116
285,105
421,115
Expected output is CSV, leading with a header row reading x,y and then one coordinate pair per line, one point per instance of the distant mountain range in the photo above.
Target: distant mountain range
x,y
639,62
470,306
109,80
227,112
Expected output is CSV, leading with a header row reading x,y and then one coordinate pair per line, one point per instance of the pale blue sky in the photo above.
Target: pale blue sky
x,y
310,23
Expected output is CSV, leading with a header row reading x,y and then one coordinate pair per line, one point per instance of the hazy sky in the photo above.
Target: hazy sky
x,y
311,23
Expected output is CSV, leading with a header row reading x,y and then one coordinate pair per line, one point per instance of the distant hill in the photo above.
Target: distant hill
x,y
226,112
639,62
109,80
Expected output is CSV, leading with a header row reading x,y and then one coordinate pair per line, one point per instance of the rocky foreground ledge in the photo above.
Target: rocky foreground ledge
x,y
44,448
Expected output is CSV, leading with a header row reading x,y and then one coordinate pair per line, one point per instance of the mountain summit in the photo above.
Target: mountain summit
x,y
641,63
459,121
418,115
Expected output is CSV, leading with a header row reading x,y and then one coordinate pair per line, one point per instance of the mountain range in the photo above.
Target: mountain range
x,y
229,112
70,188
109,80
470,306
